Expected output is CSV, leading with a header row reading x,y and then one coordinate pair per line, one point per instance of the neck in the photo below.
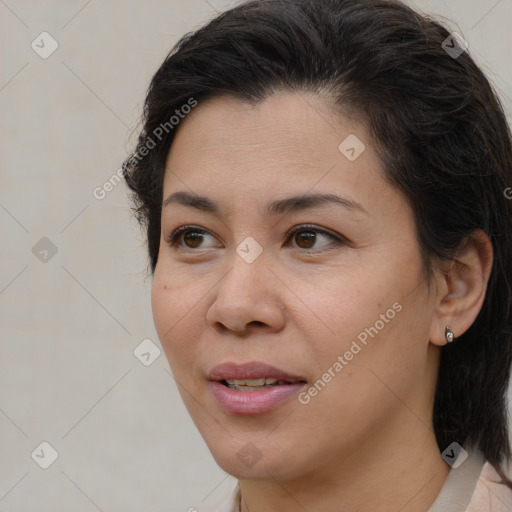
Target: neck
x,y
386,473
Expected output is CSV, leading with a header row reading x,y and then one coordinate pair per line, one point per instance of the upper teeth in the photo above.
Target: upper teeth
x,y
252,382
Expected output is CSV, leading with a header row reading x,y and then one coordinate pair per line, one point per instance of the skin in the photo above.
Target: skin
x,y
370,428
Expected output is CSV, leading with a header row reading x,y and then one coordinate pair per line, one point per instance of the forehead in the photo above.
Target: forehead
x,y
289,142
278,112
285,125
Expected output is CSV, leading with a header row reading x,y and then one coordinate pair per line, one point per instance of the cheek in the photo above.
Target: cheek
x,y
378,320
177,317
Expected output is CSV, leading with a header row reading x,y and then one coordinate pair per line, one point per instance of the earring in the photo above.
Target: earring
x,y
448,334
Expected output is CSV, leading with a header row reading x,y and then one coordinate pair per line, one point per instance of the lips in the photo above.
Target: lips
x,y
251,371
252,388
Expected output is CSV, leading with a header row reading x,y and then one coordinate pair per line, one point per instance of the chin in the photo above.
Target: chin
x,y
243,460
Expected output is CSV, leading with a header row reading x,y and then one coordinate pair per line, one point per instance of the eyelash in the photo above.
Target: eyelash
x,y
172,239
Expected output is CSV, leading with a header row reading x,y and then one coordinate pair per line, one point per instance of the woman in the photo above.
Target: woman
x,y
323,187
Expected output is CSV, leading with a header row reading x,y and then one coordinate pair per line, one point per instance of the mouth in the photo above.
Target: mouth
x,y
254,384
252,388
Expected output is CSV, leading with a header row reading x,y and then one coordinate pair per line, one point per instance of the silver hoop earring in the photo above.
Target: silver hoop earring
x,y
448,334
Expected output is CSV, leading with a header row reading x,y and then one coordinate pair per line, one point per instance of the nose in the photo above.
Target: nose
x,y
249,296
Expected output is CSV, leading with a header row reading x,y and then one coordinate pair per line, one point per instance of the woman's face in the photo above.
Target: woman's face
x,y
339,309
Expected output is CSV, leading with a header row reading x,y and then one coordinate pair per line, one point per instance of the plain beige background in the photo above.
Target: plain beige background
x,y
71,320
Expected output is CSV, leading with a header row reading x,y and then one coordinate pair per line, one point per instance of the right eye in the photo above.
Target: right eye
x,y
186,237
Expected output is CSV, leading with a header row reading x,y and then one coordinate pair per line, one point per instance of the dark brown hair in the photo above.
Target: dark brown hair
x,y
438,127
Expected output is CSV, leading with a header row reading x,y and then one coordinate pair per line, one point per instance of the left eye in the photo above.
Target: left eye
x,y
308,236
190,237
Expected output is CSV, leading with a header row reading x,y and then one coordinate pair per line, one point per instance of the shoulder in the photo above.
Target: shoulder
x,y
489,494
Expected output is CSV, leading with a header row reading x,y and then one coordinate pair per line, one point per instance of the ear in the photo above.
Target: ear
x,y
461,287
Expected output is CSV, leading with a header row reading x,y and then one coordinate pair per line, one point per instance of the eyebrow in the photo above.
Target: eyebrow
x,y
274,208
